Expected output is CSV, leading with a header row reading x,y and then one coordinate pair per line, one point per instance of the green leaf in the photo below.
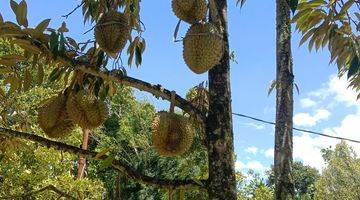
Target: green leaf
x,y
21,13
106,163
54,42
138,56
1,19
177,29
43,25
293,5
62,44
54,74
354,67
297,88
271,87
14,6
102,153
240,2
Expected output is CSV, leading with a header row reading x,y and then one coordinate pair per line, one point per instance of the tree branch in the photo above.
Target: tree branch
x,y
156,90
78,6
118,165
49,187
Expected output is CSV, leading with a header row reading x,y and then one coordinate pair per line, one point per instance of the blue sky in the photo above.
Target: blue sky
x,y
324,103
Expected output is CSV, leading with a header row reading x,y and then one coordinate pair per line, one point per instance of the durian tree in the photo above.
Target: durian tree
x,y
83,69
284,83
333,25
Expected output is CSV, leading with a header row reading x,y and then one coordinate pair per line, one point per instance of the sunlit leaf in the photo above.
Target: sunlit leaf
x,y
102,153
21,13
63,28
1,19
42,25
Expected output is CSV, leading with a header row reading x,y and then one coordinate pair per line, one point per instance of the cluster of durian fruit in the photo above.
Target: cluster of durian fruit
x,y
59,115
172,134
203,44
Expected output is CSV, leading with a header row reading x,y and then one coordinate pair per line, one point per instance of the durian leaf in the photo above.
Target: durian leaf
x,y
354,67
293,5
138,56
21,13
1,19
102,153
54,74
14,6
54,42
297,88
177,30
271,87
42,26
106,163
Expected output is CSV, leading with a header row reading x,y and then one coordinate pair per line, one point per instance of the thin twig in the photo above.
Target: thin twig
x,y
78,6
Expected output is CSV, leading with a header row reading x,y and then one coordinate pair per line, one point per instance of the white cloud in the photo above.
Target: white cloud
x,y
337,89
305,119
335,93
252,150
253,165
269,153
307,103
256,126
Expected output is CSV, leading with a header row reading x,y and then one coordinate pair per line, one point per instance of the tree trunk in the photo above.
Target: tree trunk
x,y
118,186
284,184
221,182
82,160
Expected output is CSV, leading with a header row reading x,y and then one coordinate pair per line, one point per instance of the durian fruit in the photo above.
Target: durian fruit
x,y
171,134
86,110
112,32
53,119
190,11
203,47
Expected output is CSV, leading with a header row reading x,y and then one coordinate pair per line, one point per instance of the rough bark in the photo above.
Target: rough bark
x,y
118,186
221,182
284,184
82,160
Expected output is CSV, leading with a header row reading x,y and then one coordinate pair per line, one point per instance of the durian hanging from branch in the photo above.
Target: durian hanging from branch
x,y
112,32
203,45
172,134
86,110
190,11
53,118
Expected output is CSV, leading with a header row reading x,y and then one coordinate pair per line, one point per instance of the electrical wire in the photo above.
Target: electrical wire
x,y
297,129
